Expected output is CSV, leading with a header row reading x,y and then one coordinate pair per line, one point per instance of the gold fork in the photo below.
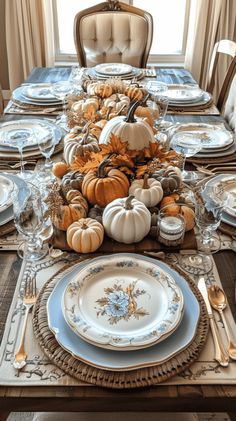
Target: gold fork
x,y
29,299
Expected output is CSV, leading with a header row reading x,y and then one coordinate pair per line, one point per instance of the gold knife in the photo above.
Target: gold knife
x,y
220,354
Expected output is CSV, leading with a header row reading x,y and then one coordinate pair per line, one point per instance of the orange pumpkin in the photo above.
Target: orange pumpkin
x,y
103,187
59,169
74,208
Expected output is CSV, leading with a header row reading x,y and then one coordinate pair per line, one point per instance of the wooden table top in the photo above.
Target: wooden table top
x,y
205,398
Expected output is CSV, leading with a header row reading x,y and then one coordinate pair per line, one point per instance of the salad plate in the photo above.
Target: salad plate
x,y
226,183
183,93
113,69
27,126
123,303
19,95
40,92
136,72
6,188
116,361
212,137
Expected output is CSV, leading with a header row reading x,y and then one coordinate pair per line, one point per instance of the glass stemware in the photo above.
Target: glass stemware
x,y
209,205
187,145
61,90
76,78
19,139
46,145
28,218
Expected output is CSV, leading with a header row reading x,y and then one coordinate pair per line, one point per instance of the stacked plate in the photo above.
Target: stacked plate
x,y
36,94
216,140
12,130
226,183
6,209
121,70
123,312
186,96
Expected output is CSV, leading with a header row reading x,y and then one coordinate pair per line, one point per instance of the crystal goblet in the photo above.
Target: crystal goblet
x,y
61,90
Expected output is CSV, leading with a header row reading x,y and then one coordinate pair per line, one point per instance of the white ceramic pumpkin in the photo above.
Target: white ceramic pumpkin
x,y
149,191
136,132
117,102
126,220
85,235
78,143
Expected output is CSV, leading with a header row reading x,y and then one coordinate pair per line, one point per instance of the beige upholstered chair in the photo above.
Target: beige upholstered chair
x,y
113,32
1,101
229,111
227,48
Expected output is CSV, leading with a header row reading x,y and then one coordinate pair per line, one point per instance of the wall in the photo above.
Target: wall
x,y
3,53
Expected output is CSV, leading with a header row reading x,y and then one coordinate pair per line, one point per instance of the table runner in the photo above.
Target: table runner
x,y
40,371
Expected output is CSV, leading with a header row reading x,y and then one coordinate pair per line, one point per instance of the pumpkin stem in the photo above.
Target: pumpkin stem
x,y
120,110
143,102
84,226
128,203
145,182
130,116
85,136
101,173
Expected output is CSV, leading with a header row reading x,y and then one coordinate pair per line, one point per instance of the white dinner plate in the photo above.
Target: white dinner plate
x,y
136,72
212,137
217,154
40,92
183,93
130,360
123,303
6,188
18,95
113,69
6,216
228,215
197,103
43,128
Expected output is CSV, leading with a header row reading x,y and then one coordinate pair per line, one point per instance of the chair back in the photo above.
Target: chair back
x,y
1,101
229,111
227,48
113,32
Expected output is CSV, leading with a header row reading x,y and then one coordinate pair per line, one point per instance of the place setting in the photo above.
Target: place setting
x,y
115,70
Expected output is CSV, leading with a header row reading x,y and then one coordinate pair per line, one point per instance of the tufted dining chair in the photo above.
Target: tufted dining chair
x,y
113,32
1,101
222,48
229,110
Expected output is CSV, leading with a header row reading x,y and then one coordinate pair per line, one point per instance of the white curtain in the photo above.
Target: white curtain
x,y
210,21
29,37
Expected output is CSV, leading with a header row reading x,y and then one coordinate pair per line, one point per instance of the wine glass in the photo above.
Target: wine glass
x,y
76,77
209,205
19,138
186,144
47,145
28,218
61,90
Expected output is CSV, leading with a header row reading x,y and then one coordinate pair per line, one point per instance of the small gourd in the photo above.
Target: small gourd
x,y
72,180
59,169
102,187
149,191
101,89
137,133
126,220
134,93
117,102
74,207
169,180
96,213
78,143
85,235
82,105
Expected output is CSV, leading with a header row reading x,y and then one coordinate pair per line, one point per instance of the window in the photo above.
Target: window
x,y
170,29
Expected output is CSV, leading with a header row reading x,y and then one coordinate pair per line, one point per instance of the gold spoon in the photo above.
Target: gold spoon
x,y
218,301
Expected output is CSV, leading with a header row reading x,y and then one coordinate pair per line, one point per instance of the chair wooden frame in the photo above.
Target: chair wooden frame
x,y
111,6
226,47
1,101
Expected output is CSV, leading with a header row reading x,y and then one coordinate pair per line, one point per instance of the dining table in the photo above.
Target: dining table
x,y
44,385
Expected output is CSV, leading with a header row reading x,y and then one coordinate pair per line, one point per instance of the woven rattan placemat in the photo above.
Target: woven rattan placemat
x,y
115,379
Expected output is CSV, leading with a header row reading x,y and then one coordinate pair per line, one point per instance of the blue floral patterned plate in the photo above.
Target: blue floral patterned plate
x,y
116,361
123,303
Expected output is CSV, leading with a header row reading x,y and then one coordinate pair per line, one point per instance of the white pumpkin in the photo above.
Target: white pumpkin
x,y
78,143
117,102
136,132
126,220
85,235
149,191
83,105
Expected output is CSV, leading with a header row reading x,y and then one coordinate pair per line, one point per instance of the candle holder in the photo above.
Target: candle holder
x,y
171,225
